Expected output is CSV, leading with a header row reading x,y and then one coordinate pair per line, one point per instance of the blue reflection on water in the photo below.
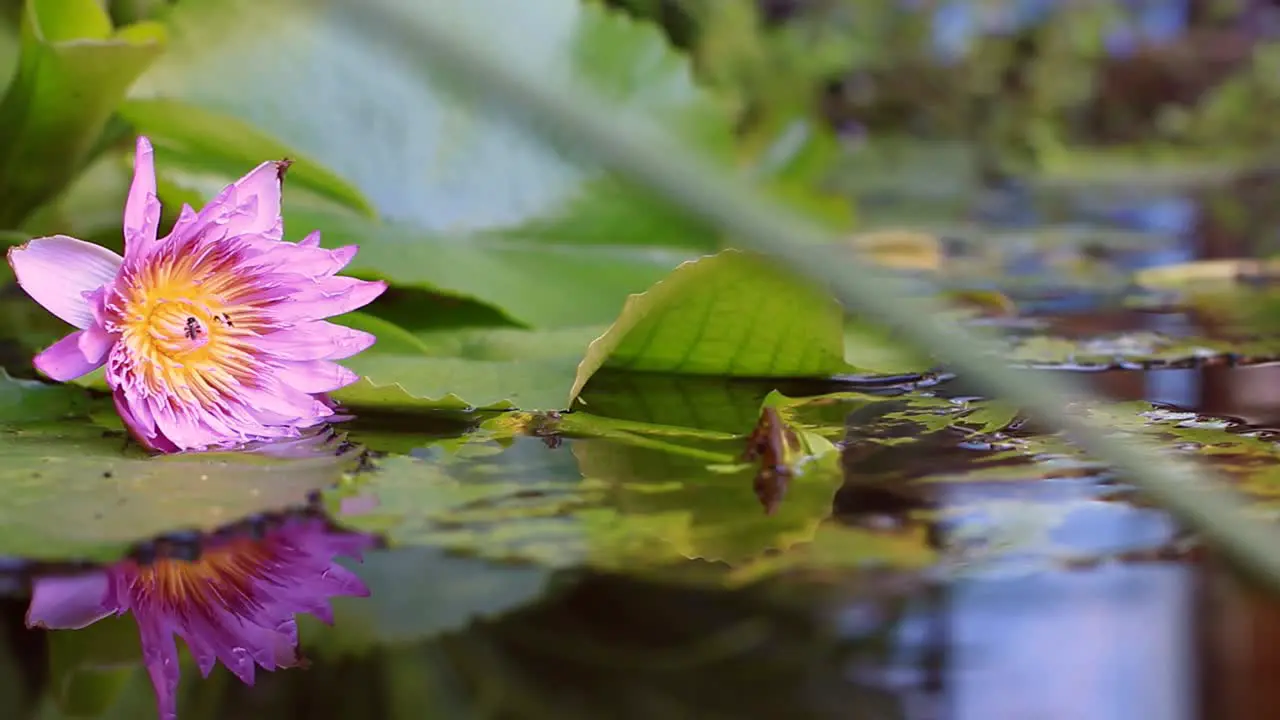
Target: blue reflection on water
x,y
1107,644
957,24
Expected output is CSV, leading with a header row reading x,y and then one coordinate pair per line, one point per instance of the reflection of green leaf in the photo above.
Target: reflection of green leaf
x,y
724,519
836,547
419,593
73,69
71,494
729,314
91,667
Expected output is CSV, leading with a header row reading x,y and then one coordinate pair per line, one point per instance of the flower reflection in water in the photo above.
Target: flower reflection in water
x,y
236,604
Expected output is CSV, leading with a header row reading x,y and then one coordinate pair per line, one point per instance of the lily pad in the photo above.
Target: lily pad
x,y
995,491
834,548
72,494
608,504
31,401
1138,350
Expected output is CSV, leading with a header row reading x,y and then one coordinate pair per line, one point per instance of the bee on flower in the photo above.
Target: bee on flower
x,y
212,336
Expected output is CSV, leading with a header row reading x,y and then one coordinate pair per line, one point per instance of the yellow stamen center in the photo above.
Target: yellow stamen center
x,y
185,339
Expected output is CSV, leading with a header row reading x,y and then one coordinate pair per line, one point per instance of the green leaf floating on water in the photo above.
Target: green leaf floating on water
x,y
27,401
733,313
610,504
1136,349
70,493
72,71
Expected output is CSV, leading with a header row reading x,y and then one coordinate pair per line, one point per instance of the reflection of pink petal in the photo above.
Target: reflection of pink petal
x,y
358,504
313,442
235,605
71,602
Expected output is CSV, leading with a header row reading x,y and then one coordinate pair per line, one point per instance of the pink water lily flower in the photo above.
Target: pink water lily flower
x,y
212,336
236,604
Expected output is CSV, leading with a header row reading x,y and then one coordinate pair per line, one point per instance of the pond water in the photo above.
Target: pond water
x,y
946,560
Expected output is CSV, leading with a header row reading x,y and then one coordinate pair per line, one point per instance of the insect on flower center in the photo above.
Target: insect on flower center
x,y
181,329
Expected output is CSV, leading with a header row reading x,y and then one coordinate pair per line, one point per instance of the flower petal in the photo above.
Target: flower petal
x,y
316,376
329,297
319,340
310,262
250,205
142,208
70,602
96,341
139,421
57,271
77,354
